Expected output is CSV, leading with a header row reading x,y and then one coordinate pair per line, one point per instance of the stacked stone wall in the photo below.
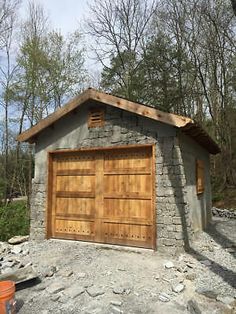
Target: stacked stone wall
x,y
123,128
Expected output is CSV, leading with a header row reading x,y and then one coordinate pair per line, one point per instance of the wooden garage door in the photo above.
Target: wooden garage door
x,y
103,196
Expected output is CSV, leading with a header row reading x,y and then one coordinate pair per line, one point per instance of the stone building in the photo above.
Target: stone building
x,y
113,171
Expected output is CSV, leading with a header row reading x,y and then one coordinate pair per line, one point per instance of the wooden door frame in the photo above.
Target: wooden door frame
x,y
50,168
49,195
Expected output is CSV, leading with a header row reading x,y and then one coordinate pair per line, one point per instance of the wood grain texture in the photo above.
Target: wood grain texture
x,y
140,109
200,180
113,204
187,125
96,118
49,196
92,94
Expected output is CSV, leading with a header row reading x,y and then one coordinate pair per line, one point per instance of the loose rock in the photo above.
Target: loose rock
x,y
206,262
230,250
191,276
223,212
116,310
65,272
16,249
228,300
25,252
164,297
4,247
49,272
179,288
169,265
157,277
18,239
148,295
207,293
20,275
8,264
74,291
116,303
55,287
81,275
55,297
121,268
95,291
6,270
193,307
118,290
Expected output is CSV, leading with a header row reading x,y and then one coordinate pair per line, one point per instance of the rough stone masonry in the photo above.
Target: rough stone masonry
x,y
174,219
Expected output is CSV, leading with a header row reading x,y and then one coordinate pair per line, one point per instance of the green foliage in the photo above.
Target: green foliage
x,y
2,187
14,220
50,67
217,197
123,78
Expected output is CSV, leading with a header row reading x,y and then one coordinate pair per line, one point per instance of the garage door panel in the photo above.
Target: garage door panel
x,y
76,163
75,206
104,196
75,227
128,208
75,183
128,161
140,184
75,172
129,234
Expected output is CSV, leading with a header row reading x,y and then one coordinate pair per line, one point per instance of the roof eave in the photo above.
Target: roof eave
x,y
30,134
201,136
187,125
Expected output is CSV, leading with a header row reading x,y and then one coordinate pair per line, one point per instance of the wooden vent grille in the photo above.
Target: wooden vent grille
x,y
96,118
200,184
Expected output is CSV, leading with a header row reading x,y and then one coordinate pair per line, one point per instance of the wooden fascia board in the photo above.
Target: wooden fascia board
x,y
187,125
43,124
152,113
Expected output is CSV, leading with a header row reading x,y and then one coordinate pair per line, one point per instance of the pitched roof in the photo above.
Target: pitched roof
x,y
187,125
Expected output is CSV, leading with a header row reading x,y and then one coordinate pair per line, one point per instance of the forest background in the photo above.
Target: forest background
x,y
177,56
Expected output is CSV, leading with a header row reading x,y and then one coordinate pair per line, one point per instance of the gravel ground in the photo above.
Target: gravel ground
x,y
218,245
78,277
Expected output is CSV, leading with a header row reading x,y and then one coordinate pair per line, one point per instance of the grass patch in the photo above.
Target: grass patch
x,y
14,220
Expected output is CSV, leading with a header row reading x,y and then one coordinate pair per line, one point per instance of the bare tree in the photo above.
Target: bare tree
x,y
119,30
8,10
205,33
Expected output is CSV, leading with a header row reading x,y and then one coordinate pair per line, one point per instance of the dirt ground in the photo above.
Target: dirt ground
x,y
78,277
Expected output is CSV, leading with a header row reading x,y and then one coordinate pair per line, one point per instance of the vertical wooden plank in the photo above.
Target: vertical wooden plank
x,y
49,197
54,200
99,197
130,220
154,205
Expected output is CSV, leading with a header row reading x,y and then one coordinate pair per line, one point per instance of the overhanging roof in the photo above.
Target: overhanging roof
x,y
187,125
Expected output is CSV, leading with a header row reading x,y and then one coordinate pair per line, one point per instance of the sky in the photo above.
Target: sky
x,y
65,15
